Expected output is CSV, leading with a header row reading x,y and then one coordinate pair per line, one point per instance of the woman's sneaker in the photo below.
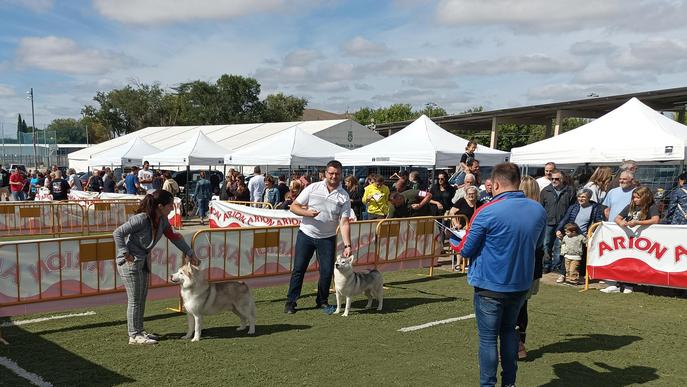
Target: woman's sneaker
x,y
151,336
140,339
611,289
561,279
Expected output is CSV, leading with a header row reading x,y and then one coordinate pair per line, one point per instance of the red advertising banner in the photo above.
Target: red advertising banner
x,y
650,255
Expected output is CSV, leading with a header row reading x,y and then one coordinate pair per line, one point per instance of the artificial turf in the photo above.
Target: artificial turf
x,y
574,339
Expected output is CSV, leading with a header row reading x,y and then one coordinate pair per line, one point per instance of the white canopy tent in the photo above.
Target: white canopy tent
x,y
128,154
422,143
632,131
198,150
290,147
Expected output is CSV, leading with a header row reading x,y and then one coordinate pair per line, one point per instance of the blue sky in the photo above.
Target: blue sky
x,y
341,55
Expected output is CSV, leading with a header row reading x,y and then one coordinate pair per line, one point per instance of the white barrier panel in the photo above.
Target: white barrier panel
x,y
653,255
230,215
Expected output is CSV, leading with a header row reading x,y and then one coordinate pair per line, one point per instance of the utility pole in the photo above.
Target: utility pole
x,y
33,130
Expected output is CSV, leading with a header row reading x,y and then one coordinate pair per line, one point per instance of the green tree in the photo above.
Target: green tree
x,y
282,108
68,131
130,108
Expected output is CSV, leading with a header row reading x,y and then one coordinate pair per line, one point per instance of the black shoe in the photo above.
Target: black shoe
x,y
322,306
290,308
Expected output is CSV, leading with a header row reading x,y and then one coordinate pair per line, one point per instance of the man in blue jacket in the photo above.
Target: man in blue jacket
x,y
500,243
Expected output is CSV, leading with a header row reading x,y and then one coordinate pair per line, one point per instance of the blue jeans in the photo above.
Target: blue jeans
x,y
552,248
496,319
17,196
203,207
305,247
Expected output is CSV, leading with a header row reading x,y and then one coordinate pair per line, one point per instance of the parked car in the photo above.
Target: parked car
x,y
21,167
215,177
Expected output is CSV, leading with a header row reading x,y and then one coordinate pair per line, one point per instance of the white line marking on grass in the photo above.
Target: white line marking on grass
x,y
433,323
42,319
31,377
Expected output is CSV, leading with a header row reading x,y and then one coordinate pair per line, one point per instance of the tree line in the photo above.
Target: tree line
x,y
232,99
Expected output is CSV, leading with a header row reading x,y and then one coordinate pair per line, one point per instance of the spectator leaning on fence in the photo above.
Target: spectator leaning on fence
x,y
442,193
134,240
409,203
17,182
376,197
501,243
271,194
74,181
59,188
618,198
324,206
641,211
677,207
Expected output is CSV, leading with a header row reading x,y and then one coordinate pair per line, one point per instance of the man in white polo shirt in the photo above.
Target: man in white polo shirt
x,y
324,205
145,177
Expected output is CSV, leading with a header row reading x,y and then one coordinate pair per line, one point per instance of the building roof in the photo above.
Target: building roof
x,y
666,100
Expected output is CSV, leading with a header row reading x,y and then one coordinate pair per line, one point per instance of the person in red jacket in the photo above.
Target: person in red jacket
x,y
17,182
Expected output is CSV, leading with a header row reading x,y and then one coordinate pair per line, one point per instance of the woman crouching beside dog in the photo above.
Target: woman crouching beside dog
x,y
133,241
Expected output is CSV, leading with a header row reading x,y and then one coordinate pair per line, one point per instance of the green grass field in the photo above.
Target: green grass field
x,y
574,339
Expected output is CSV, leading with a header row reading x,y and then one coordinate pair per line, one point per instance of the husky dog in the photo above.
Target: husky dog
x,y
203,298
349,283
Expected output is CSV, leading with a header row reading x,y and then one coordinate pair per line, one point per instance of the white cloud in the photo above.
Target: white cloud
x,y
654,55
301,57
6,91
362,47
64,55
429,83
563,15
589,47
441,68
604,75
170,11
568,92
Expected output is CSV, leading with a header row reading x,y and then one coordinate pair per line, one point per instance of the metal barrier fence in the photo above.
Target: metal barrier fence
x,y
61,268
55,218
41,218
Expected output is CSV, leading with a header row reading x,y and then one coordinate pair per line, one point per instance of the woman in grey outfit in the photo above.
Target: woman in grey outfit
x,y
134,240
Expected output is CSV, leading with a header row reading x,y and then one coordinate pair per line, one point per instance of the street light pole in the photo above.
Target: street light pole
x,y
33,131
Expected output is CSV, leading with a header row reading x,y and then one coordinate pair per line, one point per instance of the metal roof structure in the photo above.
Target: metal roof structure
x,y
551,114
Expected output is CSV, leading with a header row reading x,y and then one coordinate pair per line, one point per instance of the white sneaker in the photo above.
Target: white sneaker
x,y
140,339
627,290
611,289
561,279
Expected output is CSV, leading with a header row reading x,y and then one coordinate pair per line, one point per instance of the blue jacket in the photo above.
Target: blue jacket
x,y
501,242
596,216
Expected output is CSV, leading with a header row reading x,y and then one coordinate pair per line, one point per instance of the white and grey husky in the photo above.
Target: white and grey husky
x,y
203,298
349,283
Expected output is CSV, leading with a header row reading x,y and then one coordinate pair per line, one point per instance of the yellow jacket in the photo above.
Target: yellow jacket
x,y
379,206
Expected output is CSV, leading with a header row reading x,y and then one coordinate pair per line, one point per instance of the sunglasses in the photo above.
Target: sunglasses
x,y
556,178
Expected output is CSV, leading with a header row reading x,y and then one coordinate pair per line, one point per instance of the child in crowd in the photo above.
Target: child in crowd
x,y
572,248
468,156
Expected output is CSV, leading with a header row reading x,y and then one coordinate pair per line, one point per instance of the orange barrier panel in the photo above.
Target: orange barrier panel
x,y
40,218
62,268
411,239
